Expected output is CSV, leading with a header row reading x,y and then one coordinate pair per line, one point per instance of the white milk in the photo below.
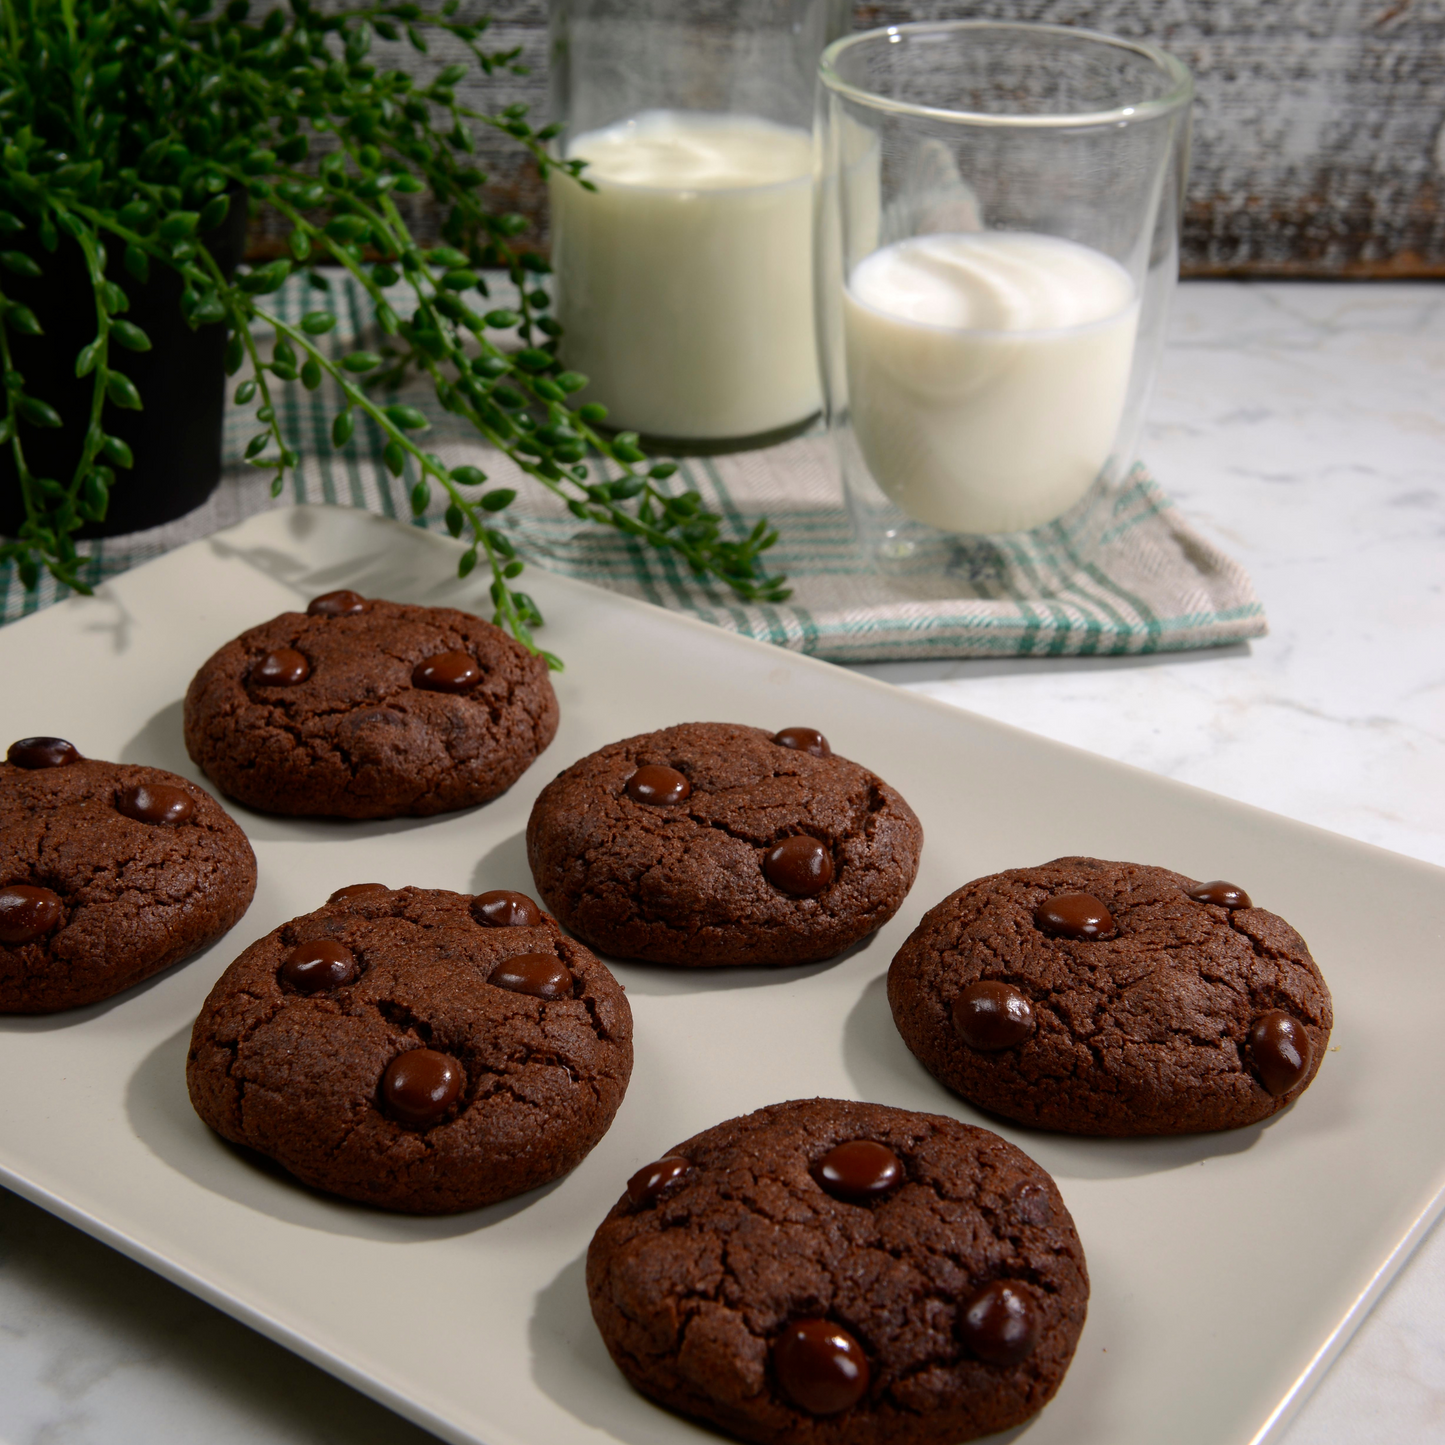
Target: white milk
x,y
685,282
987,373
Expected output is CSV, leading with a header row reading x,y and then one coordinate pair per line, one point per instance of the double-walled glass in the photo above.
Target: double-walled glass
x,y
685,280
997,240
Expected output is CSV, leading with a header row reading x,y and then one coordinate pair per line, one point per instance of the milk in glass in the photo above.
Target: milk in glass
x,y
987,373
685,281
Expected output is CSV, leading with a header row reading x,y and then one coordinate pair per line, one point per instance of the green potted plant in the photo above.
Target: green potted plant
x,y
131,134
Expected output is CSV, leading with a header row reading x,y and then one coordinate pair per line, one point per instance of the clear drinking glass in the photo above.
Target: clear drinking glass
x,y
997,239
684,283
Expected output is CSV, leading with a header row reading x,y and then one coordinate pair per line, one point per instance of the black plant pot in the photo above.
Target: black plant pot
x,y
182,381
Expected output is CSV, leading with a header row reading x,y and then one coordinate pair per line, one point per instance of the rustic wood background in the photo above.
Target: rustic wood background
x,y
1319,129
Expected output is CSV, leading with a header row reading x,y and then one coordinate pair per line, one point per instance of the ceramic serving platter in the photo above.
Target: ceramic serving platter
x,y
1227,1268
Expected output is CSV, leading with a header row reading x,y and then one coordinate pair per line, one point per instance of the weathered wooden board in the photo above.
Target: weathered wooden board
x,y
1319,129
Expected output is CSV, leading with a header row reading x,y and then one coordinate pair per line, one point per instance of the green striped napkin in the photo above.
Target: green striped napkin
x,y
1122,573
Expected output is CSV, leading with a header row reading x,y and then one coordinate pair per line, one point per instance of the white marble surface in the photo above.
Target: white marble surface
x,y
1303,426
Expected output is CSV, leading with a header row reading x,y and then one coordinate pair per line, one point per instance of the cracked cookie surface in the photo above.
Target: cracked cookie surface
x,y
694,1286
358,737
300,1076
133,897
1148,1029
684,883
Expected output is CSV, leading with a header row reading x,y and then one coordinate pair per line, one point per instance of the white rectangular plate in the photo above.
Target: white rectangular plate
x,y
1227,1268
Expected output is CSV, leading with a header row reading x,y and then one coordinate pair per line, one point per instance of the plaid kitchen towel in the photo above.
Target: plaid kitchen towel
x,y
1122,573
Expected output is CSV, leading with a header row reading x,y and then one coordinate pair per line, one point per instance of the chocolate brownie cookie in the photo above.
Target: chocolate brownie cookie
x,y
712,843
369,709
831,1273
415,1049
108,874
1112,998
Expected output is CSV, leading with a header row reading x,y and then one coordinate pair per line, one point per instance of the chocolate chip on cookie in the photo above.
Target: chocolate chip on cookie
x,y
1112,998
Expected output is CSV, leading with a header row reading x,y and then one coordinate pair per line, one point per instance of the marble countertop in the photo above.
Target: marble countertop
x,y
1302,426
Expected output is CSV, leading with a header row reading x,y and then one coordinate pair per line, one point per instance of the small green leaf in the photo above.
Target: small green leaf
x,y
407,417
347,228
245,392
85,362
311,374
95,495
514,568
420,497
114,299
497,501
456,519
570,381
117,451
459,280
208,310
360,361
121,390
179,225
394,455
300,244
257,444
130,336
10,223
264,279
467,562
39,413
134,214
468,476
137,262
235,354
22,319
317,323
502,320
214,212
341,429
592,413
19,263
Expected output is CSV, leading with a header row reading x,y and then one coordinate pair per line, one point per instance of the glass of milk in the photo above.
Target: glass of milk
x,y
685,280
996,244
